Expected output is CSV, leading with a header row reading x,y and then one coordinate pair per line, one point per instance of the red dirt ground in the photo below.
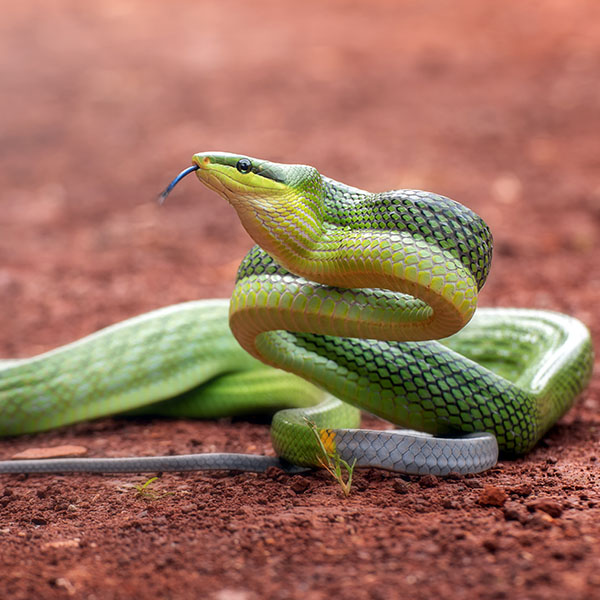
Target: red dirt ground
x,y
494,104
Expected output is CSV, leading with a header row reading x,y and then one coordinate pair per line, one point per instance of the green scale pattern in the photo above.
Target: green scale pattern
x,y
448,388
424,215
424,386
474,381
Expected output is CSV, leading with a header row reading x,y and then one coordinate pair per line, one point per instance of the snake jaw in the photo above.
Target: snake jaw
x,y
252,194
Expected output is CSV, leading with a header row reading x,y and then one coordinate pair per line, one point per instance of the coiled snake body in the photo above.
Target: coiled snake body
x,y
349,290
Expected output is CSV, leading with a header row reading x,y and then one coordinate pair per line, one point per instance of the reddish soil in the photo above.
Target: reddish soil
x,y
494,104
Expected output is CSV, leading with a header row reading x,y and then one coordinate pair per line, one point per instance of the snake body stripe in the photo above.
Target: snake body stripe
x,y
348,290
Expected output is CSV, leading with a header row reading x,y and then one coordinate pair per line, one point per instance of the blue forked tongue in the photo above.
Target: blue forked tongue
x,y
163,195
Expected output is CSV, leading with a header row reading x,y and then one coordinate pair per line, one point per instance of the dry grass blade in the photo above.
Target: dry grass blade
x,y
333,463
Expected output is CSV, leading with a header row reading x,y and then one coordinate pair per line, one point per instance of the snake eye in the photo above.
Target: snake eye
x,y
244,165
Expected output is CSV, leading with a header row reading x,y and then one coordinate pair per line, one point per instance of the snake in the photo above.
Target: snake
x,y
350,301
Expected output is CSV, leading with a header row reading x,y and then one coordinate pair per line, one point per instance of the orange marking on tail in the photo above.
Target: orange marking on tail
x,y
328,438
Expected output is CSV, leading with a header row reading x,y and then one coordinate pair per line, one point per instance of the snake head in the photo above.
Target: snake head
x,y
251,182
268,197
237,177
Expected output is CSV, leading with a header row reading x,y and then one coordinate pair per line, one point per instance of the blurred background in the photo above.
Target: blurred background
x,y
496,105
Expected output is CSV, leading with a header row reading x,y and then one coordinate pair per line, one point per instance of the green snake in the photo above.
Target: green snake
x,y
361,301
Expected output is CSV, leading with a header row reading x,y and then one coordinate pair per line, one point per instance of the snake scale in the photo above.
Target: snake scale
x,y
361,301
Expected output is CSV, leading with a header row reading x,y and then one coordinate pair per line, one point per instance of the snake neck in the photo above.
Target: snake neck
x,y
290,225
339,235
406,241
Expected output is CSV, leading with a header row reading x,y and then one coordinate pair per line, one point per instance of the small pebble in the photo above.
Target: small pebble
x,y
492,496
522,490
473,483
513,512
547,505
275,473
539,521
401,487
428,481
299,485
